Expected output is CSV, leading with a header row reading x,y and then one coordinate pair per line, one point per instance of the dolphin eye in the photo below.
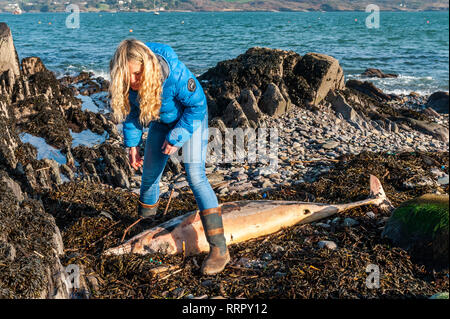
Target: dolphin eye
x,y
307,211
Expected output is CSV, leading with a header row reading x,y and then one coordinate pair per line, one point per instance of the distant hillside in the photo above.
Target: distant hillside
x,y
312,5
222,5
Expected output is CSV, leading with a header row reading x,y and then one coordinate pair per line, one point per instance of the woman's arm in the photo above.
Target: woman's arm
x,y
190,93
132,128
132,136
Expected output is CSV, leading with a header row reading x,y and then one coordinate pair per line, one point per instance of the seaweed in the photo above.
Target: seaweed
x,y
93,218
26,246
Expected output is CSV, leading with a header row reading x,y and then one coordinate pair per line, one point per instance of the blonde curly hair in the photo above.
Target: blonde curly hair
x,y
150,84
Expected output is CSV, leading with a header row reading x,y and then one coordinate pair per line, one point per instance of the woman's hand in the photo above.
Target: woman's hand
x,y
135,159
168,148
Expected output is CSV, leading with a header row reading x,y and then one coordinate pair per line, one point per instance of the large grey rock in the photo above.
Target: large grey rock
x,y
438,101
52,171
67,171
272,102
234,116
420,225
13,186
32,65
377,73
369,89
300,80
323,74
340,106
9,140
431,112
9,60
249,106
431,128
8,54
217,122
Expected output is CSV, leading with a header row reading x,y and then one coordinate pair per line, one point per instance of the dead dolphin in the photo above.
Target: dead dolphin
x,y
242,220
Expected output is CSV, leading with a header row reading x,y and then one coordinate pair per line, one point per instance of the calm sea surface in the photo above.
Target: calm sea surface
x,y
414,45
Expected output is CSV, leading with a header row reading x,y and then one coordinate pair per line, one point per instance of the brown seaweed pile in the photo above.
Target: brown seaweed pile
x,y
27,246
287,264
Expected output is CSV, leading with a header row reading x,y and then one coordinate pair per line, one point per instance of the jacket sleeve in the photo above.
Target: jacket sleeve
x,y
132,128
188,92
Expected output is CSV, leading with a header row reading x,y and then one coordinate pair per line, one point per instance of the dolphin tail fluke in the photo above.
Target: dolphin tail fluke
x,y
377,197
377,192
376,189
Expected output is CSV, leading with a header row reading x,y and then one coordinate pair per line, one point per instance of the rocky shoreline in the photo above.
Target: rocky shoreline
x,y
319,138
58,143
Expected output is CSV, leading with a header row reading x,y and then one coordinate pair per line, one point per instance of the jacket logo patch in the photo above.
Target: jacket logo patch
x,y
191,85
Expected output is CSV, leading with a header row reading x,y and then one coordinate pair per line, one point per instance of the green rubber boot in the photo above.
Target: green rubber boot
x,y
147,211
218,255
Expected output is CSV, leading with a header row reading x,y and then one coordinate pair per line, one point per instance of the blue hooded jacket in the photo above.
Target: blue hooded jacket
x,y
183,105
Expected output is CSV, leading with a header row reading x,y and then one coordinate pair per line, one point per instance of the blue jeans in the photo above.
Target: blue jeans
x,y
194,156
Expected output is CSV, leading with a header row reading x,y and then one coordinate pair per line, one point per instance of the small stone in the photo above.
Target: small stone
x,y
280,274
241,177
275,176
330,145
336,220
349,222
437,172
443,180
262,171
178,292
266,256
327,244
245,262
207,283
323,225
422,148
174,195
296,145
237,171
331,154
180,185
266,184
371,214
165,294
277,248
